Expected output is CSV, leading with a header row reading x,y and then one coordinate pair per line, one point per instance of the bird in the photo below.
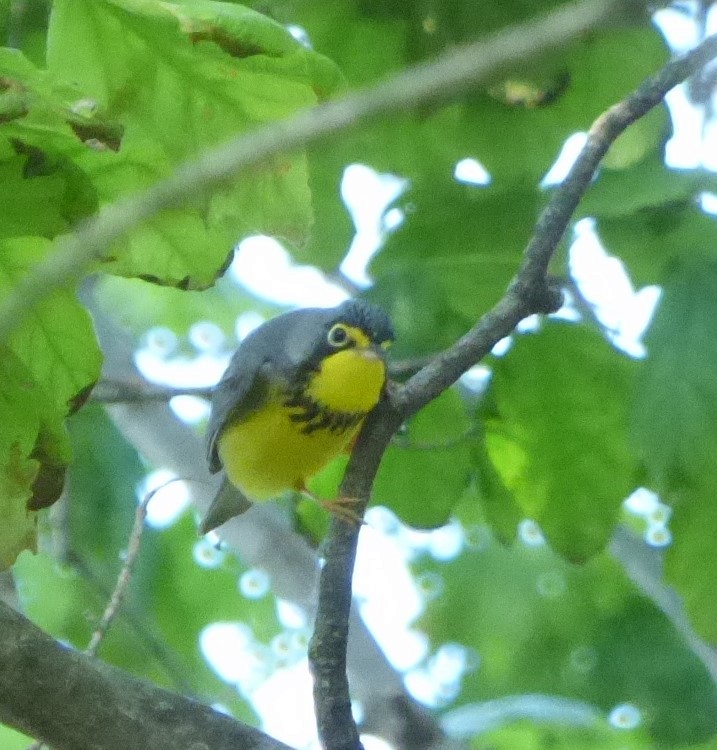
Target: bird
x,y
294,396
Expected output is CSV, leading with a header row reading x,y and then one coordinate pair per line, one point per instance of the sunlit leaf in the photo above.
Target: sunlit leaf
x,y
57,342
12,740
182,78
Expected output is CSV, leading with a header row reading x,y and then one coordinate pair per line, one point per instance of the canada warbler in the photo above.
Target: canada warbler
x,y
293,396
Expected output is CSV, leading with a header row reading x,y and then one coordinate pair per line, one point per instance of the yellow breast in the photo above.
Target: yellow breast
x,y
290,438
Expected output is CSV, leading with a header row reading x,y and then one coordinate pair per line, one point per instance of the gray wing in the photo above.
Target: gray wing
x,y
241,390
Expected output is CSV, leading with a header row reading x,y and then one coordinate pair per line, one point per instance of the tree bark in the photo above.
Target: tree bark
x,y
74,702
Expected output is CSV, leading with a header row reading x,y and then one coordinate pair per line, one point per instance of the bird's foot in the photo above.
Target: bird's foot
x,y
342,507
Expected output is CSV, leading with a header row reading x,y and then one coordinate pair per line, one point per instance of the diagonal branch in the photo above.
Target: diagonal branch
x,y
531,291
79,703
450,75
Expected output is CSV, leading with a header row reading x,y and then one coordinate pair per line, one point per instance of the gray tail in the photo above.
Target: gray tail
x,y
229,502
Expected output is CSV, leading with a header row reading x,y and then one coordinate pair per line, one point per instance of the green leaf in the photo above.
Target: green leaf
x,y
638,142
50,365
649,184
101,485
333,230
44,116
652,239
674,424
57,342
426,471
690,564
355,49
533,735
433,24
22,198
674,413
517,139
560,441
44,128
20,417
34,453
180,78
420,309
451,259
12,740
24,29
516,142
502,512
175,248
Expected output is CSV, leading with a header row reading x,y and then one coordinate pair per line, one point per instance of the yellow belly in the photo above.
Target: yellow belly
x,y
268,453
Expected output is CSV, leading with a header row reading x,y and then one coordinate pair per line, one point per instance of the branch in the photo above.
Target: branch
x,y
75,702
455,72
140,391
124,577
531,291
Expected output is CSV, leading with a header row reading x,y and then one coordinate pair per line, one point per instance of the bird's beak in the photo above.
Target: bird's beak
x,y
375,351
369,351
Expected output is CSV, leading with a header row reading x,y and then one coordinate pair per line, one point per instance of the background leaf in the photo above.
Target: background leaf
x,y
427,469
536,624
560,439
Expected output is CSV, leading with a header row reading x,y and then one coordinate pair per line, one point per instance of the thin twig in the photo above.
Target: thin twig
x,y
141,392
164,656
454,73
530,292
124,577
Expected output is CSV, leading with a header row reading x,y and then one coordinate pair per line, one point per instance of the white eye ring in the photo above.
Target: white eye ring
x,y
338,336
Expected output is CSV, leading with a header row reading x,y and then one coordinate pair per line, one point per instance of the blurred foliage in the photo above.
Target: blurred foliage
x,y
101,98
536,624
559,435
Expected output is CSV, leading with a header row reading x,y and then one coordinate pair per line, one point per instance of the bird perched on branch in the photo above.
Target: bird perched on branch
x,y
292,398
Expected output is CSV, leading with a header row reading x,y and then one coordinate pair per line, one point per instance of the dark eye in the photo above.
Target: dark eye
x,y
338,336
